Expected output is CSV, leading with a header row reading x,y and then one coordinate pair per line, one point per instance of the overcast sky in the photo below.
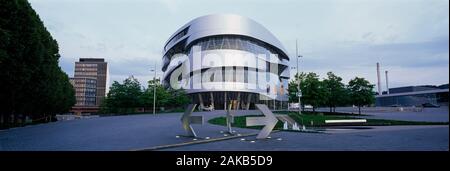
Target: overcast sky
x,y
410,38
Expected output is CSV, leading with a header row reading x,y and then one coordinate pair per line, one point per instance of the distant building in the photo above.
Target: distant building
x,y
85,91
89,82
415,96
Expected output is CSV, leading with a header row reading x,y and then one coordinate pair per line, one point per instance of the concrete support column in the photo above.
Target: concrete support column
x,y
238,101
274,104
225,101
249,98
200,99
212,99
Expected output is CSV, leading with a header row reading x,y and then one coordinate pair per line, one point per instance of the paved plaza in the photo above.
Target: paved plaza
x,y
422,138
140,132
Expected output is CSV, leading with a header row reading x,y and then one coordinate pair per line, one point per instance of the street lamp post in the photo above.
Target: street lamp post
x,y
299,91
154,90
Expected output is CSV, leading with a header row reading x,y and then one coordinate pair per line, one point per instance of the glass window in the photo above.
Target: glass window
x,y
208,45
233,42
218,43
211,79
240,74
245,74
227,43
229,74
238,44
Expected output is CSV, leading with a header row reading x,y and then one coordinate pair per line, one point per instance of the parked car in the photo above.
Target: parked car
x,y
293,105
308,107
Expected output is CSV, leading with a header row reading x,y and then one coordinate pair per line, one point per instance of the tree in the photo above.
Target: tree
x,y
335,92
126,97
162,96
179,98
313,91
345,98
123,98
293,87
361,92
168,98
31,82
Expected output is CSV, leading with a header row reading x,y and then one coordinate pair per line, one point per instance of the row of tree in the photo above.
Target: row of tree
x,y
32,85
330,91
129,96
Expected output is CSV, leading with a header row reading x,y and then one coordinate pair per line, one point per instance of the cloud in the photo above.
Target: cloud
x,y
409,63
171,5
409,38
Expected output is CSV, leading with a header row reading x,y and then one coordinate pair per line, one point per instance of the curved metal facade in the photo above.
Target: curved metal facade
x,y
223,35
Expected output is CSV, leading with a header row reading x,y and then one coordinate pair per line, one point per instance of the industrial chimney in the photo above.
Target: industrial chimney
x,y
387,82
379,81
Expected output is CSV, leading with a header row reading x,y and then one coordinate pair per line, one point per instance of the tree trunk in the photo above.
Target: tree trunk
x,y
331,109
359,110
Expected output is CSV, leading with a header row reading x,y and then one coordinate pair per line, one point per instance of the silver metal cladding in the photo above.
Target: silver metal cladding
x,y
226,53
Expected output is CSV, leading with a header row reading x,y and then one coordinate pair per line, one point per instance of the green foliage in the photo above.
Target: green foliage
x,y
335,91
31,82
239,121
293,87
330,91
129,96
179,98
123,98
313,90
361,92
